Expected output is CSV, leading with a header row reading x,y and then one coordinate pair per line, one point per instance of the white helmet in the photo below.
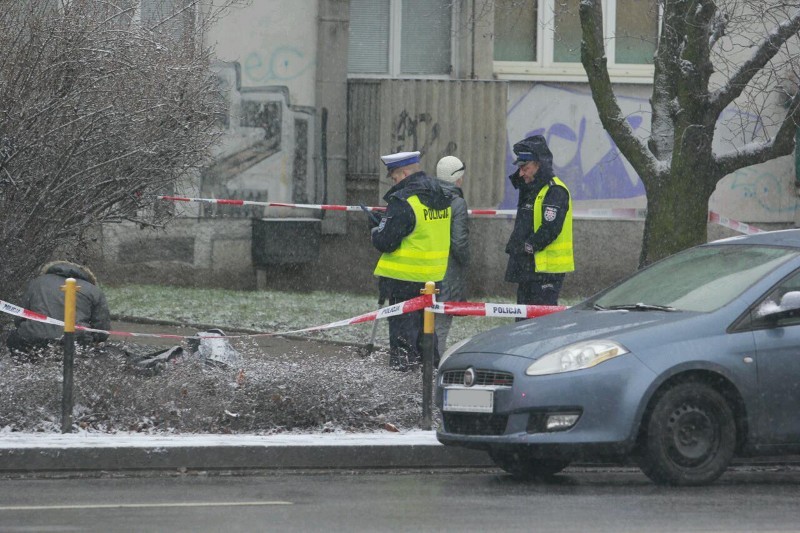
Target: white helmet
x,y
450,168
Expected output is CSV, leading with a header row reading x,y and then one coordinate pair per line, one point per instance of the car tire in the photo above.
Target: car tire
x,y
521,465
691,436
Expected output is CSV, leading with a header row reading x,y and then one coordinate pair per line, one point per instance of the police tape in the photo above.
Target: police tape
x,y
625,213
614,213
222,201
11,309
735,225
409,306
492,309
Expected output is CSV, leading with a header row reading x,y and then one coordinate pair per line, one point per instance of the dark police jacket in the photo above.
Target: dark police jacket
x,y
521,266
399,222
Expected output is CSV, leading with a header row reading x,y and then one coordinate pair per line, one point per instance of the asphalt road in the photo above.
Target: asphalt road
x,y
602,500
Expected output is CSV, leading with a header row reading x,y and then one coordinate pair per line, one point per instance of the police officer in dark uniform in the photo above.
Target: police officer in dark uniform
x,y
414,238
540,249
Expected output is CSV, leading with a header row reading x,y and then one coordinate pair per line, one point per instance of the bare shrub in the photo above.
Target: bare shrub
x,y
318,390
101,107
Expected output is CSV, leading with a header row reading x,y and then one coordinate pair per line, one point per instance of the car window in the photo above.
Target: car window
x,y
699,279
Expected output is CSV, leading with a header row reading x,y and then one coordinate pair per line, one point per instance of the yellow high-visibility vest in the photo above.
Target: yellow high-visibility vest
x,y
422,255
557,257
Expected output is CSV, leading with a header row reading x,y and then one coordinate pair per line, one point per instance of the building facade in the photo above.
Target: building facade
x,y
318,89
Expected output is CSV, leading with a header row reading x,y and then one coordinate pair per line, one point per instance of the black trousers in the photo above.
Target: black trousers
x,y
543,289
406,330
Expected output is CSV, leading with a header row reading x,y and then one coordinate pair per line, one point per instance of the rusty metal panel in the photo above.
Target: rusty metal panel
x,y
464,118
363,125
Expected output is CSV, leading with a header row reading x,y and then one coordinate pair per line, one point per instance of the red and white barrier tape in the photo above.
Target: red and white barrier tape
x,y
584,213
408,306
735,225
11,309
621,213
490,309
221,201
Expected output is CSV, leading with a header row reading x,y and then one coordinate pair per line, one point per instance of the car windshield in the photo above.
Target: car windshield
x,y
699,279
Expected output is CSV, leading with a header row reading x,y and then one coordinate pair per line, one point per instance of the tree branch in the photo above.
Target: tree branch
x,y
755,153
765,51
596,65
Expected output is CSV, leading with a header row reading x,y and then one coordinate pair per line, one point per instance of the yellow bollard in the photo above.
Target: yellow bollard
x,y
428,346
70,289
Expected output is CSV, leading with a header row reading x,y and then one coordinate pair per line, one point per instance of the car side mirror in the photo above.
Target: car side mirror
x,y
790,300
789,307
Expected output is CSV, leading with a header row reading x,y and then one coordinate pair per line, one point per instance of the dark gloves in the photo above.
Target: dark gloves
x,y
373,219
516,179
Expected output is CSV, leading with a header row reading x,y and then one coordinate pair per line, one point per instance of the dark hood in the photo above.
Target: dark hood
x,y
66,269
450,189
429,191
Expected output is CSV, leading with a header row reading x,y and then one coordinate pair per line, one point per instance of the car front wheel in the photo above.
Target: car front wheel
x,y
521,465
691,436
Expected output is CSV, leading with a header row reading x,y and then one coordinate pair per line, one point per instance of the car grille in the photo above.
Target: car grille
x,y
482,377
473,424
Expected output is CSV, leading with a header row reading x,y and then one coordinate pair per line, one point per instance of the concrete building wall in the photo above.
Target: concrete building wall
x,y
284,63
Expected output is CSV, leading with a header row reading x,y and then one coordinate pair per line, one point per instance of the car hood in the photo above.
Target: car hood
x,y
534,338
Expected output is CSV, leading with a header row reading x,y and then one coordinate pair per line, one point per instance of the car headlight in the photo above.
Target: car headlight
x,y
576,356
448,352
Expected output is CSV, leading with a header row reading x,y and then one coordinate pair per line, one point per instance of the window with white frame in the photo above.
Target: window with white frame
x,y
541,39
400,38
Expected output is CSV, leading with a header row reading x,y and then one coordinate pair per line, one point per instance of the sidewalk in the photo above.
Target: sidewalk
x,y
54,452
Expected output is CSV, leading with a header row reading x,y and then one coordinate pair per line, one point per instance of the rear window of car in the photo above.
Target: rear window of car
x,y
699,279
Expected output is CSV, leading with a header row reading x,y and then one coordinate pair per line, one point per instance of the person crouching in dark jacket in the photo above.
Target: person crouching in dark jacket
x,y
45,296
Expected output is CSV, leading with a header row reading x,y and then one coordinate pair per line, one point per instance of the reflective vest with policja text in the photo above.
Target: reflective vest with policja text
x,y
557,257
422,255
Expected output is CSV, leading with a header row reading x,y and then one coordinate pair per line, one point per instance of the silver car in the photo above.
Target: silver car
x,y
682,366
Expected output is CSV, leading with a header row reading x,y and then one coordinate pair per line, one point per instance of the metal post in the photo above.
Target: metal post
x,y
428,341
70,290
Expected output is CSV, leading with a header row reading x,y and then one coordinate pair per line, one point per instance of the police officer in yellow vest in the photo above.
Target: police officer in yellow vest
x,y
540,250
414,240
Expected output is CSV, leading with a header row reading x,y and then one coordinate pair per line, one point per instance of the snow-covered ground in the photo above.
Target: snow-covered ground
x,y
86,439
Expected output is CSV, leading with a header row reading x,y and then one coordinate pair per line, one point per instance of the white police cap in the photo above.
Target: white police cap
x,y
400,159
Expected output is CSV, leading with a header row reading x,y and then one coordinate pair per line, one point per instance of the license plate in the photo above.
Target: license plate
x,y
469,400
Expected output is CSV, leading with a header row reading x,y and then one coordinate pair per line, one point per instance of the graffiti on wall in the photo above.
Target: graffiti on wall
x,y
588,160
420,132
584,156
282,64
265,153
763,187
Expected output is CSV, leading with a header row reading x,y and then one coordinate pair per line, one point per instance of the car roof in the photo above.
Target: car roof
x,y
789,238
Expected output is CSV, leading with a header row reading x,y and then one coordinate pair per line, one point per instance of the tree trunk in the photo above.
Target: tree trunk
x,y
677,215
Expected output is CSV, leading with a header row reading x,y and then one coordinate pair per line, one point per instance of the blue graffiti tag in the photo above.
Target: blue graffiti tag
x,y
285,63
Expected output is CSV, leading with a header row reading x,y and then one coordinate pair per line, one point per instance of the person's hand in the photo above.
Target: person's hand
x,y
516,179
373,219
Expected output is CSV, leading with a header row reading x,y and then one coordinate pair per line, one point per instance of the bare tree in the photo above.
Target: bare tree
x,y
103,104
712,56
